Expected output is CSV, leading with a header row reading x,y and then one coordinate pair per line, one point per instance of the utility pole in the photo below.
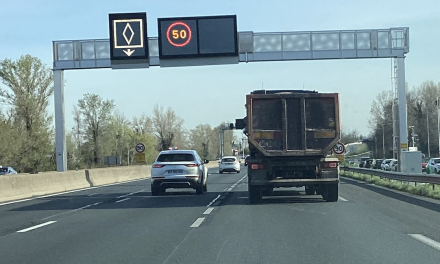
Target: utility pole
x,y
383,139
438,125
427,129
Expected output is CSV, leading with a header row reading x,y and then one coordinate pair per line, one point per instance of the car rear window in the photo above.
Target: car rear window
x,y
437,161
387,161
228,160
175,157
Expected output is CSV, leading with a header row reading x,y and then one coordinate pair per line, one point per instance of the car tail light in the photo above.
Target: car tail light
x,y
257,166
158,166
191,165
332,164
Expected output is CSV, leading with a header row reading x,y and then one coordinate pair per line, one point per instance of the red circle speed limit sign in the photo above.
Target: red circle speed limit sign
x,y
339,148
140,148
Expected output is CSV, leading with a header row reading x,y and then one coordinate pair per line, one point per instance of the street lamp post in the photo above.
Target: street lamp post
x,y
438,124
427,129
383,139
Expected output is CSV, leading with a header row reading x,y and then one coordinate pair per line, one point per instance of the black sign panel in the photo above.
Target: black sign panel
x,y
194,37
128,36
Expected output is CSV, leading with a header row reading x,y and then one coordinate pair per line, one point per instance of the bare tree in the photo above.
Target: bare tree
x,y
167,127
200,139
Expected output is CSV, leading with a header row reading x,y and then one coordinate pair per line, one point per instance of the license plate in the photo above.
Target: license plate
x,y
175,171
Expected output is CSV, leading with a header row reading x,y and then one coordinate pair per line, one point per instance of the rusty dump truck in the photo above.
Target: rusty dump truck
x,y
291,134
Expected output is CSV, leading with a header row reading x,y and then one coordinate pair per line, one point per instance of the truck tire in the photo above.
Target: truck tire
x,y
157,190
205,187
310,190
331,193
255,194
267,191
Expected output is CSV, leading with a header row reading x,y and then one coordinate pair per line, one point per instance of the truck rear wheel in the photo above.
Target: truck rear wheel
x,y
331,193
267,191
255,194
310,190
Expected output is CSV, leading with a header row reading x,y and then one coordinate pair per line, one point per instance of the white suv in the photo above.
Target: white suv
x,y
229,164
179,169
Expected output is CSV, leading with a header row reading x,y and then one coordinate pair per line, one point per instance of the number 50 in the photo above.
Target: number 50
x,y
176,34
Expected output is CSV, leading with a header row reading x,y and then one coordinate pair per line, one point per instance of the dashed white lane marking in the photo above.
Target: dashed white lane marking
x,y
71,211
123,200
426,240
208,211
125,195
213,201
226,190
198,222
35,227
343,199
92,194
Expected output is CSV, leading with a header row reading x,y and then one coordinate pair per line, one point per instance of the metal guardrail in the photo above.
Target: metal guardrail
x,y
412,177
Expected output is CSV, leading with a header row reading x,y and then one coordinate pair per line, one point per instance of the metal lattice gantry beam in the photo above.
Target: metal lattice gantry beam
x,y
282,46
253,47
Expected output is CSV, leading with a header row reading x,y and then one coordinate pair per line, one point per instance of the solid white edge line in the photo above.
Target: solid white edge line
x,y
208,211
343,199
426,240
35,227
198,222
123,200
79,190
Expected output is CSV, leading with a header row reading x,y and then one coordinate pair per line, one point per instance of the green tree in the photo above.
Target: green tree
x,y
29,86
95,115
350,136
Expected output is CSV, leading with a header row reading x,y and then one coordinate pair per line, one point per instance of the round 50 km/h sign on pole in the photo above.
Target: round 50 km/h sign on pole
x,y
339,148
140,148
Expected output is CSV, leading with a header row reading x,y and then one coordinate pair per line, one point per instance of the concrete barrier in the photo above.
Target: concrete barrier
x,y
21,186
118,174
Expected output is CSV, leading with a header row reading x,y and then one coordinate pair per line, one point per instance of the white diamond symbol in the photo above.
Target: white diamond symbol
x,y
128,27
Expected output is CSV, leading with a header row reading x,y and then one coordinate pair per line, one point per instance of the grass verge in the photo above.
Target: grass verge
x,y
427,190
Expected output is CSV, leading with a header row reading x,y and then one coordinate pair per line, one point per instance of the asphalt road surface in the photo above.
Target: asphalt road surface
x,y
123,223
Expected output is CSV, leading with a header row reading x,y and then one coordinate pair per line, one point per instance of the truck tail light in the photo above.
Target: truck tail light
x,y
332,164
158,166
257,166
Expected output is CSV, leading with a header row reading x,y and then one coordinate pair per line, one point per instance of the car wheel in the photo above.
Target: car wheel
x,y
200,188
221,172
238,171
155,191
205,187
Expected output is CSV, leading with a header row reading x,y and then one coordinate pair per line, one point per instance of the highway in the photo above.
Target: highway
x,y
123,223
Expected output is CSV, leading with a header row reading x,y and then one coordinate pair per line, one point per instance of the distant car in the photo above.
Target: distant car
x,y
393,165
385,164
377,164
362,162
7,170
246,160
229,164
179,169
424,163
368,163
433,166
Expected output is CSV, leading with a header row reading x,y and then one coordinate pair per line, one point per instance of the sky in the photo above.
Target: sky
x,y
215,94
